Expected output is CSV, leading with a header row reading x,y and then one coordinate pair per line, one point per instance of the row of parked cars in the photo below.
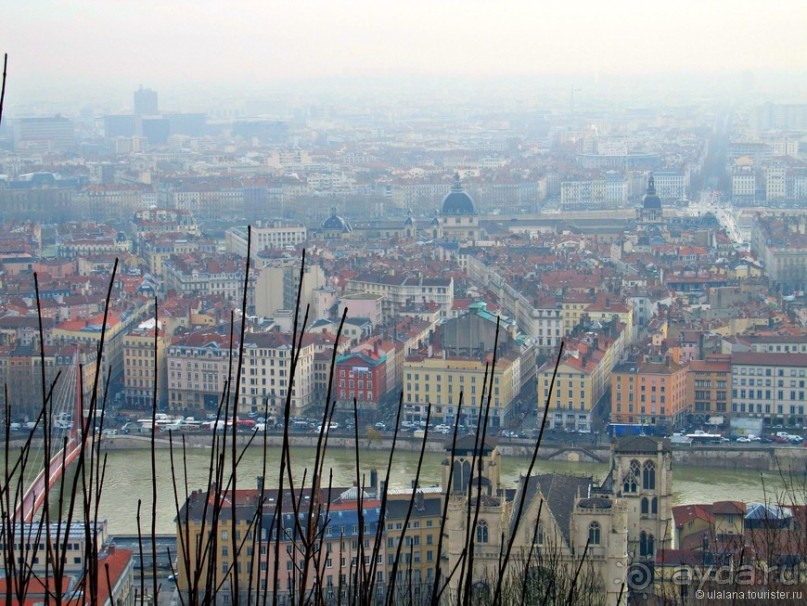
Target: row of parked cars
x,y
780,437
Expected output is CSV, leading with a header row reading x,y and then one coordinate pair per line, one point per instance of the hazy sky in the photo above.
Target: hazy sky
x,y
57,45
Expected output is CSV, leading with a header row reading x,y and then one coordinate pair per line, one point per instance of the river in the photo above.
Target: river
x,y
128,478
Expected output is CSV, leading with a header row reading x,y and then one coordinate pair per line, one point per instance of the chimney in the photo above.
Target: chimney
x,y
420,501
259,481
373,478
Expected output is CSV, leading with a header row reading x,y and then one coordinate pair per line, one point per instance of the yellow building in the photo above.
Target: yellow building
x,y
573,396
140,353
225,530
438,382
419,555
572,308
584,377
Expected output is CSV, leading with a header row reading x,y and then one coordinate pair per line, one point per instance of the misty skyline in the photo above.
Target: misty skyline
x,y
57,49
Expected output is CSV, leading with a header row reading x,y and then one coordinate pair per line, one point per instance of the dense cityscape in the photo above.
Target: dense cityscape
x,y
567,272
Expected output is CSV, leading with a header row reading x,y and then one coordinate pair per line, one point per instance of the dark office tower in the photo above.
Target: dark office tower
x,y
145,102
192,125
122,125
156,130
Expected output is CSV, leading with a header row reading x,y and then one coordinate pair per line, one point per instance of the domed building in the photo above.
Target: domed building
x,y
650,210
650,225
335,227
458,215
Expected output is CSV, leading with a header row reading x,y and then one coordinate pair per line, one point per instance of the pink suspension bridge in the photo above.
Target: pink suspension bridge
x,y
68,422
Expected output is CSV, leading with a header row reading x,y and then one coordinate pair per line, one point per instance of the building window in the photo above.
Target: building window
x,y
649,476
482,532
632,479
594,533
646,544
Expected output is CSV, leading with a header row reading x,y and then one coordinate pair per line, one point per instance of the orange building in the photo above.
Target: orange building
x,y
650,393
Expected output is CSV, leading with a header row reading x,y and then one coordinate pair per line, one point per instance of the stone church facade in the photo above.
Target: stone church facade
x,y
555,521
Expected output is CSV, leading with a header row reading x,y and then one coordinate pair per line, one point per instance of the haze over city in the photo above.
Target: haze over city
x,y
66,51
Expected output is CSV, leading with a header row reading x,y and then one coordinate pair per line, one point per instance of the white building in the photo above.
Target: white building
x,y
265,235
743,184
770,386
266,374
671,186
775,183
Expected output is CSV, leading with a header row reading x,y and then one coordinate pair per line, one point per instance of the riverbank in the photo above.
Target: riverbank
x,y
787,459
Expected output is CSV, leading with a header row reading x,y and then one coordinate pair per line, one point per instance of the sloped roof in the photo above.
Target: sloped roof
x,y
640,444
559,492
767,511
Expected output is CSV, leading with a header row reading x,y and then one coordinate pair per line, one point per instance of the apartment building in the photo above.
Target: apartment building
x,y
671,185
144,353
437,382
609,192
580,383
277,284
198,366
245,536
266,378
82,240
652,392
190,274
274,234
401,291
770,386
163,220
156,247
21,372
88,332
459,360
420,537
743,184
605,309
781,243
360,376
709,389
